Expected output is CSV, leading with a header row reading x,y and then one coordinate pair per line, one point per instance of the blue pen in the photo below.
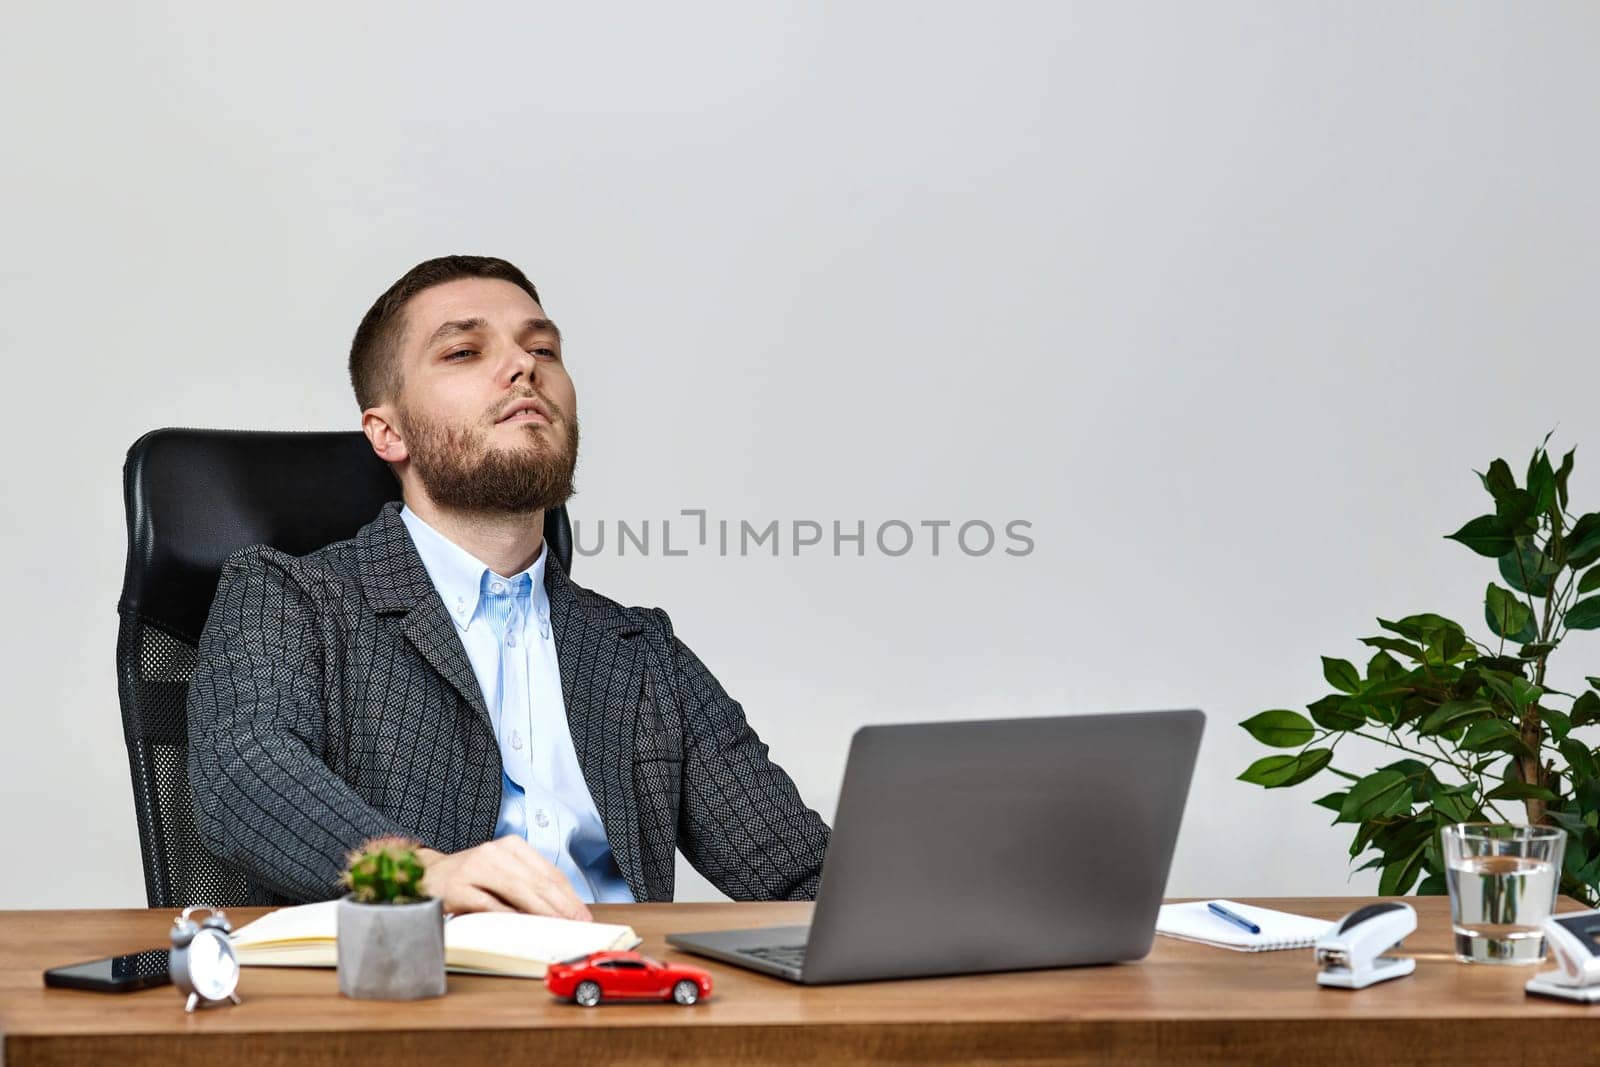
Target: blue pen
x,y
1233,917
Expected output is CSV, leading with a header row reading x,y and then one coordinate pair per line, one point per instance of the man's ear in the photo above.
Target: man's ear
x,y
379,425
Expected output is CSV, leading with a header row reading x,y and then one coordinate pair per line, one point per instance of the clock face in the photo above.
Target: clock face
x,y
213,968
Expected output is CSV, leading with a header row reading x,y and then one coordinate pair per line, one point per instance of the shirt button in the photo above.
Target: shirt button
x,y
541,818
497,587
516,740
511,639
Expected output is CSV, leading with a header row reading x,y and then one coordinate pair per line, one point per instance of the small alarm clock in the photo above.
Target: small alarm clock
x,y
202,961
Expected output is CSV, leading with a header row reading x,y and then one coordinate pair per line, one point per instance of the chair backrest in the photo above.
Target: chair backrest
x,y
192,498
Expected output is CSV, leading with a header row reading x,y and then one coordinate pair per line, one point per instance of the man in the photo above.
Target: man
x,y
439,676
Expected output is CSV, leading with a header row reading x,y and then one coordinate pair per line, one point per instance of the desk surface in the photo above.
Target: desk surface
x,y
1183,1003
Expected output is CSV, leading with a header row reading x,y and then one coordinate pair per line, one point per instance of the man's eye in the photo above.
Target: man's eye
x,y
460,352
547,351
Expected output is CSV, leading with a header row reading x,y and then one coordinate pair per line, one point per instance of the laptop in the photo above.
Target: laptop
x,y
994,845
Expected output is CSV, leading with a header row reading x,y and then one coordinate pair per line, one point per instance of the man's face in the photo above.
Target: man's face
x,y
486,416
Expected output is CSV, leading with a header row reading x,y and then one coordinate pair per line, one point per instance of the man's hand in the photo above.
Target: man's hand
x,y
506,874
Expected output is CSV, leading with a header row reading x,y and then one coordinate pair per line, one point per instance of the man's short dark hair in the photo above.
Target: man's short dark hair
x,y
375,352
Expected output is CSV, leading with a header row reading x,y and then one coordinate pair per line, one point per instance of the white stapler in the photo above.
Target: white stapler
x,y
1574,943
1350,956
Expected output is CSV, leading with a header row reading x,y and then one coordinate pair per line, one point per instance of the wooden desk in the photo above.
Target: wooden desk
x,y
1184,1003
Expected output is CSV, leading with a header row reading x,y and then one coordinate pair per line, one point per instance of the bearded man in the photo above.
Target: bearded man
x,y
438,676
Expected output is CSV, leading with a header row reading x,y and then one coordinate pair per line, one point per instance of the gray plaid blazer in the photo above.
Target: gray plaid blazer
x,y
333,701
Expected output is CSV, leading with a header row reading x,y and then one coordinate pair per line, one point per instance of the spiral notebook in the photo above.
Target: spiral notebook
x,y
1194,921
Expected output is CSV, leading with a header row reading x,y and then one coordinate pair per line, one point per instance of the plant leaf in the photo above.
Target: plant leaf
x,y
1280,729
1383,667
1506,614
1450,644
1393,644
1580,758
1453,713
1341,674
1499,480
1584,615
1276,772
1455,803
1515,512
1384,792
1586,792
1499,682
1398,877
1333,713
1526,569
1590,581
1486,535
1363,837
1585,709
1583,541
1427,630
1418,777
1333,801
1433,886
1569,822
1520,791
1488,735
1542,481
1400,874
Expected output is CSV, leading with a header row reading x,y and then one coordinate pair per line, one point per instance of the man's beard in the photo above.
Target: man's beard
x,y
462,472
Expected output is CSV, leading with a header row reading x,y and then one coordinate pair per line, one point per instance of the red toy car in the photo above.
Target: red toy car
x,y
599,976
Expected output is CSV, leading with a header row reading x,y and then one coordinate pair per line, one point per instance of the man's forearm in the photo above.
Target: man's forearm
x,y
264,800
266,806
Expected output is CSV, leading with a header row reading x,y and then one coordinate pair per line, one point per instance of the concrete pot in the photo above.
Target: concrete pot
x,y
391,951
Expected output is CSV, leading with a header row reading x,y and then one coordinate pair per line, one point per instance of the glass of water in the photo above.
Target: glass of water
x,y
1503,882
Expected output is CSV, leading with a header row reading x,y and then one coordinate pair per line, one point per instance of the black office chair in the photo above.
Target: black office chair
x,y
193,497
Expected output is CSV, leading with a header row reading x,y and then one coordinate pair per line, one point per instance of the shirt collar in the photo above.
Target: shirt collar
x,y
457,574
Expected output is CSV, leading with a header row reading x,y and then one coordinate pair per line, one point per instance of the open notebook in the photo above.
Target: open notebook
x,y
489,942
1279,929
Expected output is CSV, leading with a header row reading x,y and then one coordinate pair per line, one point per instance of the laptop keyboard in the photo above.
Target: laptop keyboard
x,y
783,955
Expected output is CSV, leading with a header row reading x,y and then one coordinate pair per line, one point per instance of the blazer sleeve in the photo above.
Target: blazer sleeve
x,y
264,800
742,823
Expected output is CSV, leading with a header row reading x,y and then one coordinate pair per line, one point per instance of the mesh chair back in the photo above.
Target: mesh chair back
x,y
192,498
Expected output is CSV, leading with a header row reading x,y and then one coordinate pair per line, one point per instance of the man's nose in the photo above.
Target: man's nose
x,y
523,365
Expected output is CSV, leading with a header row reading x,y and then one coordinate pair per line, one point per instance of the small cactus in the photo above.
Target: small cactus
x,y
385,870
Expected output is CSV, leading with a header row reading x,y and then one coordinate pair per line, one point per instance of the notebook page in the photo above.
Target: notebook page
x,y
1194,921
486,938
485,942
293,925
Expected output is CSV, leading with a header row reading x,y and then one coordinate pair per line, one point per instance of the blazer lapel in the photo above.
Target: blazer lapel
x,y
602,673
601,678
396,582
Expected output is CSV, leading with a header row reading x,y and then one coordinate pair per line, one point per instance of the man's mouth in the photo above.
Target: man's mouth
x,y
527,409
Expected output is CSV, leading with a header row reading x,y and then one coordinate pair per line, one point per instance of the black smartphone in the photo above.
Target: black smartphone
x,y
114,974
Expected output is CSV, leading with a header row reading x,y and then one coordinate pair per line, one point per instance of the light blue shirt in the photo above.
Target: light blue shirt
x,y
504,622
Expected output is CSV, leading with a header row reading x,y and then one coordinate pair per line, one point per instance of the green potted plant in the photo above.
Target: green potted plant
x,y
391,933
1480,728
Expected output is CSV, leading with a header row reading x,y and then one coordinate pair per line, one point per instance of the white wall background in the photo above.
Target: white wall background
x,y
1226,299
